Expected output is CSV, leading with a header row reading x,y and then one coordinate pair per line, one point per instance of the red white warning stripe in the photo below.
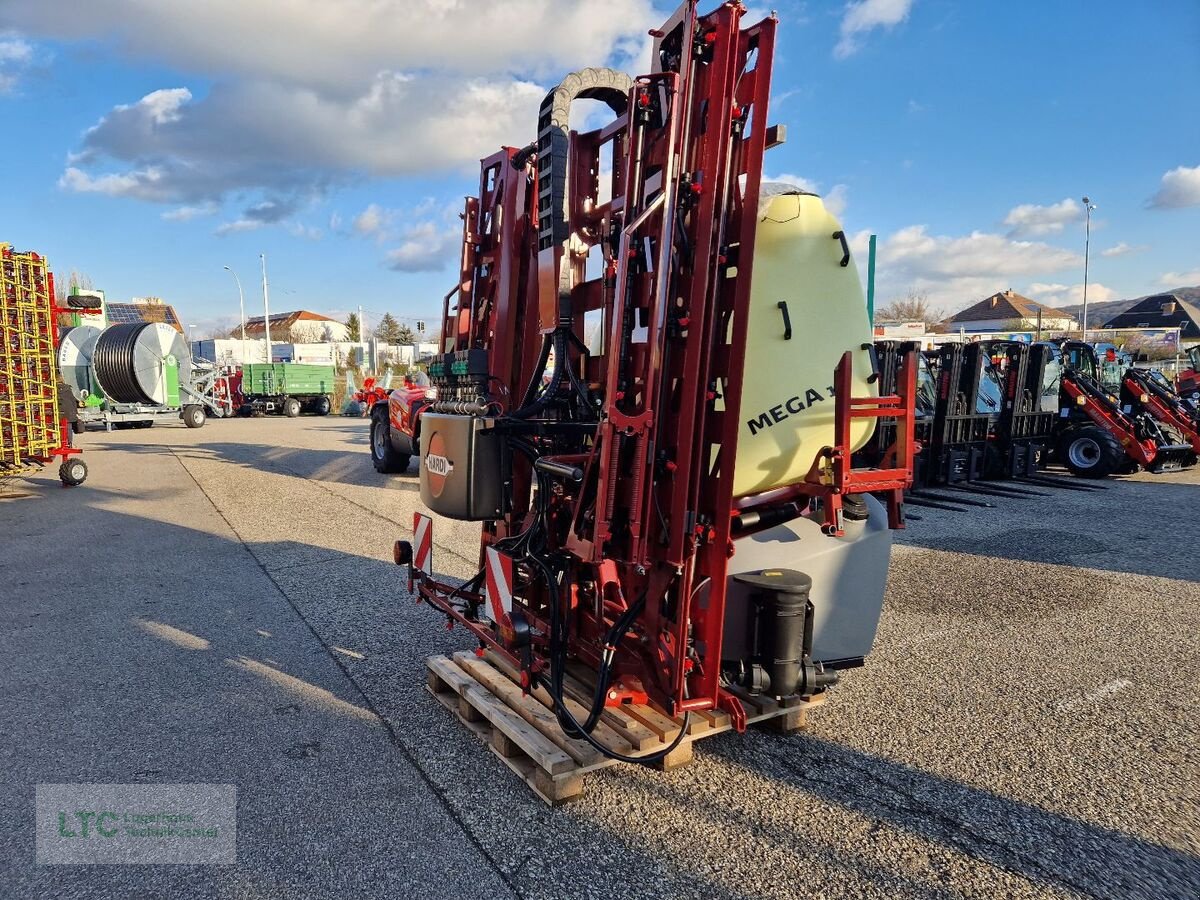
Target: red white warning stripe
x,y
498,584
423,543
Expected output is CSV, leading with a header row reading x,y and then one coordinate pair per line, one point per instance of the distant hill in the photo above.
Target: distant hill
x,y
1099,313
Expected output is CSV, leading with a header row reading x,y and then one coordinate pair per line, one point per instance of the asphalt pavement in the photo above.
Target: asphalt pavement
x,y
220,605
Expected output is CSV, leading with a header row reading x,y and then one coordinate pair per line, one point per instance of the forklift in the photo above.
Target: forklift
x,y
966,409
888,355
1025,428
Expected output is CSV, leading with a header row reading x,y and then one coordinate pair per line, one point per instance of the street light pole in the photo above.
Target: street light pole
x,y
1088,206
241,311
266,307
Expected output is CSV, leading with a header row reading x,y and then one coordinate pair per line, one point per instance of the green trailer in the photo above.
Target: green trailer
x,y
287,388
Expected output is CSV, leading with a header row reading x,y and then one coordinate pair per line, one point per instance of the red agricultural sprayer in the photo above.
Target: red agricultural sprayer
x,y
654,370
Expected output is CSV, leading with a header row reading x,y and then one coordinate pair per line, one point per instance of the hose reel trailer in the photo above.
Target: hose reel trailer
x,y
130,375
75,350
142,362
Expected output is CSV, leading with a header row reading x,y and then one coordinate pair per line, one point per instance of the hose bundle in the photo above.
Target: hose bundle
x,y
559,636
112,361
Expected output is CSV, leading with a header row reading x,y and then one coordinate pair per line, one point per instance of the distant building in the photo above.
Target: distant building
x,y
1166,311
1009,311
899,330
300,326
150,309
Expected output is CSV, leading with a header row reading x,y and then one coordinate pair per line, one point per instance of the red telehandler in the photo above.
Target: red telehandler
x,y
1100,433
1142,390
653,374
1188,383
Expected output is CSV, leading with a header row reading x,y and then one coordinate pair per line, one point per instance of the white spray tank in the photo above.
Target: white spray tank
x,y
802,266
806,309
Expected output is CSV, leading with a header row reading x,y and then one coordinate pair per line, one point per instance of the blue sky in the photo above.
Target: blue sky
x,y
148,144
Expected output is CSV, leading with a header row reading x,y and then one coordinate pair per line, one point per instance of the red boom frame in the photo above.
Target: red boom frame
x,y
666,261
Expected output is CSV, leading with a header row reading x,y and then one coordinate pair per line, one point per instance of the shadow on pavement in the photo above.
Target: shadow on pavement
x,y
164,654
180,661
1155,552
1045,847
351,467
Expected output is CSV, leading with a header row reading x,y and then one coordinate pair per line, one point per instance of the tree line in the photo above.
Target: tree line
x,y
389,330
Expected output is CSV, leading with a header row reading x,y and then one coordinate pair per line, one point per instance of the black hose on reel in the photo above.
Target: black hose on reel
x,y
112,361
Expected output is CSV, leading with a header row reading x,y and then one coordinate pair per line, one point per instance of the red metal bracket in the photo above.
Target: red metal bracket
x,y
833,475
733,706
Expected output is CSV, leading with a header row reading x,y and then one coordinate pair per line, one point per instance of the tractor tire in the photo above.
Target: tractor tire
x,y
291,407
386,458
73,472
1091,452
323,406
193,416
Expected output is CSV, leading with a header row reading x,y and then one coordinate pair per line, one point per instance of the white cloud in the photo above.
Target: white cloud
x,y
142,184
1122,249
338,47
425,247
835,200
171,147
273,211
1031,220
371,220
307,95
308,232
957,270
238,225
162,107
187,213
1180,279
1180,188
784,96
15,49
865,16
16,55
1069,294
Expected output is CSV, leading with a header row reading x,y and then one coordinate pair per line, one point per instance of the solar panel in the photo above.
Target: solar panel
x,y
126,313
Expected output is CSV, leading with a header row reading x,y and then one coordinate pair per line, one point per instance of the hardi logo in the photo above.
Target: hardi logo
x,y
437,466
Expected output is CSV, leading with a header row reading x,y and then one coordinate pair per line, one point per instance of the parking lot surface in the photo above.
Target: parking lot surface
x,y
219,605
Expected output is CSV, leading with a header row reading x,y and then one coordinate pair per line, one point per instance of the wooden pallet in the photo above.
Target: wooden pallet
x,y
522,729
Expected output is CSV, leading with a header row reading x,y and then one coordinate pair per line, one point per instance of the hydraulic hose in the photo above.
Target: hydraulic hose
x,y
558,639
566,719
533,407
538,369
